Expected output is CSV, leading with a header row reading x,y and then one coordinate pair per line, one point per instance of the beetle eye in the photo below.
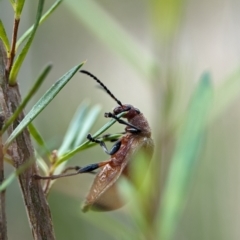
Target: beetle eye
x,y
137,110
127,108
117,110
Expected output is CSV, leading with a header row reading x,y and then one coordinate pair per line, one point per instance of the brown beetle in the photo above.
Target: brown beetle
x,y
103,194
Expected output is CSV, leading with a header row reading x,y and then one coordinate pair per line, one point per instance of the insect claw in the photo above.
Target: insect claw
x,y
108,115
89,137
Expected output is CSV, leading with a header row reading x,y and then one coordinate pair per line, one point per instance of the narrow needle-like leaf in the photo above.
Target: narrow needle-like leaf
x,y
87,124
13,4
42,165
13,175
184,159
74,126
38,138
19,8
3,36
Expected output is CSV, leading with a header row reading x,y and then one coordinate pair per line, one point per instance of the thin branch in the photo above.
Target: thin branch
x,y
21,151
3,220
13,47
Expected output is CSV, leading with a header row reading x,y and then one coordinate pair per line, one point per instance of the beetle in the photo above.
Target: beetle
x,y
103,194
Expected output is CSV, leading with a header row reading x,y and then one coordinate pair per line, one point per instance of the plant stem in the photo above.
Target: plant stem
x,y
3,220
22,151
13,47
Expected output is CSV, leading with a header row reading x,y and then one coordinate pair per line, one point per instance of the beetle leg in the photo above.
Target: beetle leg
x,y
70,168
52,177
114,149
110,115
92,167
114,140
74,168
87,169
108,135
132,130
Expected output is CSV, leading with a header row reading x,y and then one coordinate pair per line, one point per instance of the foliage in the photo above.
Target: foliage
x,y
188,132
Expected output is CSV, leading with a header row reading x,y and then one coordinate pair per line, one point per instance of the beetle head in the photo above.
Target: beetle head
x,y
129,109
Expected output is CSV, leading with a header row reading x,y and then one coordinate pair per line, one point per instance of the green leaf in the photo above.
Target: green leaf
x,y
74,126
101,24
13,4
30,94
8,181
19,7
18,63
3,36
16,173
43,18
184,159
90,119
38,138
42,165
42,103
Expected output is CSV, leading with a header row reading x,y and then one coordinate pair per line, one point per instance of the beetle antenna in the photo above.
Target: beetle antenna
x,y
104,87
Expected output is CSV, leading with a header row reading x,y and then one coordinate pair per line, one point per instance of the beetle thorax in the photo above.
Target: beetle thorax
x,y
141,122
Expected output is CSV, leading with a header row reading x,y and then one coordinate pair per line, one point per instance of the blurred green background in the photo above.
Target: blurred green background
x,y
150,54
